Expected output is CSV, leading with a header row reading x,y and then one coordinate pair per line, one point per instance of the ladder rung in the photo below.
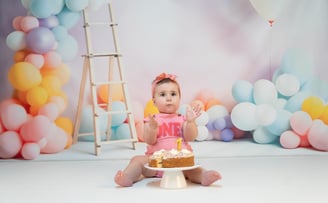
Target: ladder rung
x,y
101,55
101,111
108,83
99,23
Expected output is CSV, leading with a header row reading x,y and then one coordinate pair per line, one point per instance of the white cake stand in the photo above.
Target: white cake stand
x,y
173,178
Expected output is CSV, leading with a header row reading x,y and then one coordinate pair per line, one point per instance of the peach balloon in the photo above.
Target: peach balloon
x,y
10,144
30,151
13,116
23,76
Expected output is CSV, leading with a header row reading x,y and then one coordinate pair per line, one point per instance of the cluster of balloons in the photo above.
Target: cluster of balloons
x,y
214,122
116,124
31,121
268,108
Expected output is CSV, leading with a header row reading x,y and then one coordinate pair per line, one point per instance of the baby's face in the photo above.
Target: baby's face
x,y
167,97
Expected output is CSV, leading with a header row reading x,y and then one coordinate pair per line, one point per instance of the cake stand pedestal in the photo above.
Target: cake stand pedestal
x,y
173,178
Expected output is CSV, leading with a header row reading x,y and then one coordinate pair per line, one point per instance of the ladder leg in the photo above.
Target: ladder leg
x,y
78,115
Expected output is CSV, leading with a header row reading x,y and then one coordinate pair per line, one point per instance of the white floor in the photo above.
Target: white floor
x,y
251,173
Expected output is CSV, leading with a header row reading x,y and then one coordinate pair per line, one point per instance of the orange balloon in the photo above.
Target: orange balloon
x,y
23,76
62,72
115,91
19,56
211,102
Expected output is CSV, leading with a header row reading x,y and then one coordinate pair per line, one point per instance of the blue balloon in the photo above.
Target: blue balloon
x,y
281,124
242,91
118,118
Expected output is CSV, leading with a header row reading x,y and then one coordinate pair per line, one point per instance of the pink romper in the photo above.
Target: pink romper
x,y
170,128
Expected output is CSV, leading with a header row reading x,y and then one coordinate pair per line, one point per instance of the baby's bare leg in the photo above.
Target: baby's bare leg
x,y
132,173
202,176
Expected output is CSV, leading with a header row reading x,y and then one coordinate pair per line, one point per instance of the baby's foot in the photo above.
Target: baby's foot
x,y
210,177
123,179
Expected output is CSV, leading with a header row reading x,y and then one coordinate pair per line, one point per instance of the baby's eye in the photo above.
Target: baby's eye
x,y
174,94
162,94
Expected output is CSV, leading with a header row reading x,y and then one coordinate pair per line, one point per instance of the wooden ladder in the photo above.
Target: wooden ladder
x,y
114,60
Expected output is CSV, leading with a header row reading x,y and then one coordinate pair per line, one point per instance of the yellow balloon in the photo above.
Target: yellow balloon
x,y
36,96
62,72
23,76
314,106
324,115
150,108
51,84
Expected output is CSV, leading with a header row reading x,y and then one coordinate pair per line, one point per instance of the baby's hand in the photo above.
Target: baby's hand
x,y
153,124
192,113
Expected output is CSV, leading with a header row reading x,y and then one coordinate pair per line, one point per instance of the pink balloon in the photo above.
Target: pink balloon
x,y
27,23
16,22
52,59
318,135
13,116
289,140
30,151
36,128
300,122
10,144
36,59
55,142
50,110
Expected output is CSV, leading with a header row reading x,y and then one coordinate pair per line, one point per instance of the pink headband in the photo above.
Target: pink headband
x,y
161,77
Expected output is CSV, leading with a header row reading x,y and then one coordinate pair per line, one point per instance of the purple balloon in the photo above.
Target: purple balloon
x,y
228,121
50,22
40,40
227,135
219,123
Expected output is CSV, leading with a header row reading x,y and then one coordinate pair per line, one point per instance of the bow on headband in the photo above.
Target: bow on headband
x,y
163,76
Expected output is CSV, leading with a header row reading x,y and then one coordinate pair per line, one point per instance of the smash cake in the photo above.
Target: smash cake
x,y
172,158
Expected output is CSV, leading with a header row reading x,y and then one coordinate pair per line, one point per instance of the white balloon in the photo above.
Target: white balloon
x,y
265,92
203,133
217,111
243,116
265,114
202,119
287,84
268,9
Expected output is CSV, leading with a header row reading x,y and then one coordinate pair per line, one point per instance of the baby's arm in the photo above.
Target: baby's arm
x,y
190,127
150,131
